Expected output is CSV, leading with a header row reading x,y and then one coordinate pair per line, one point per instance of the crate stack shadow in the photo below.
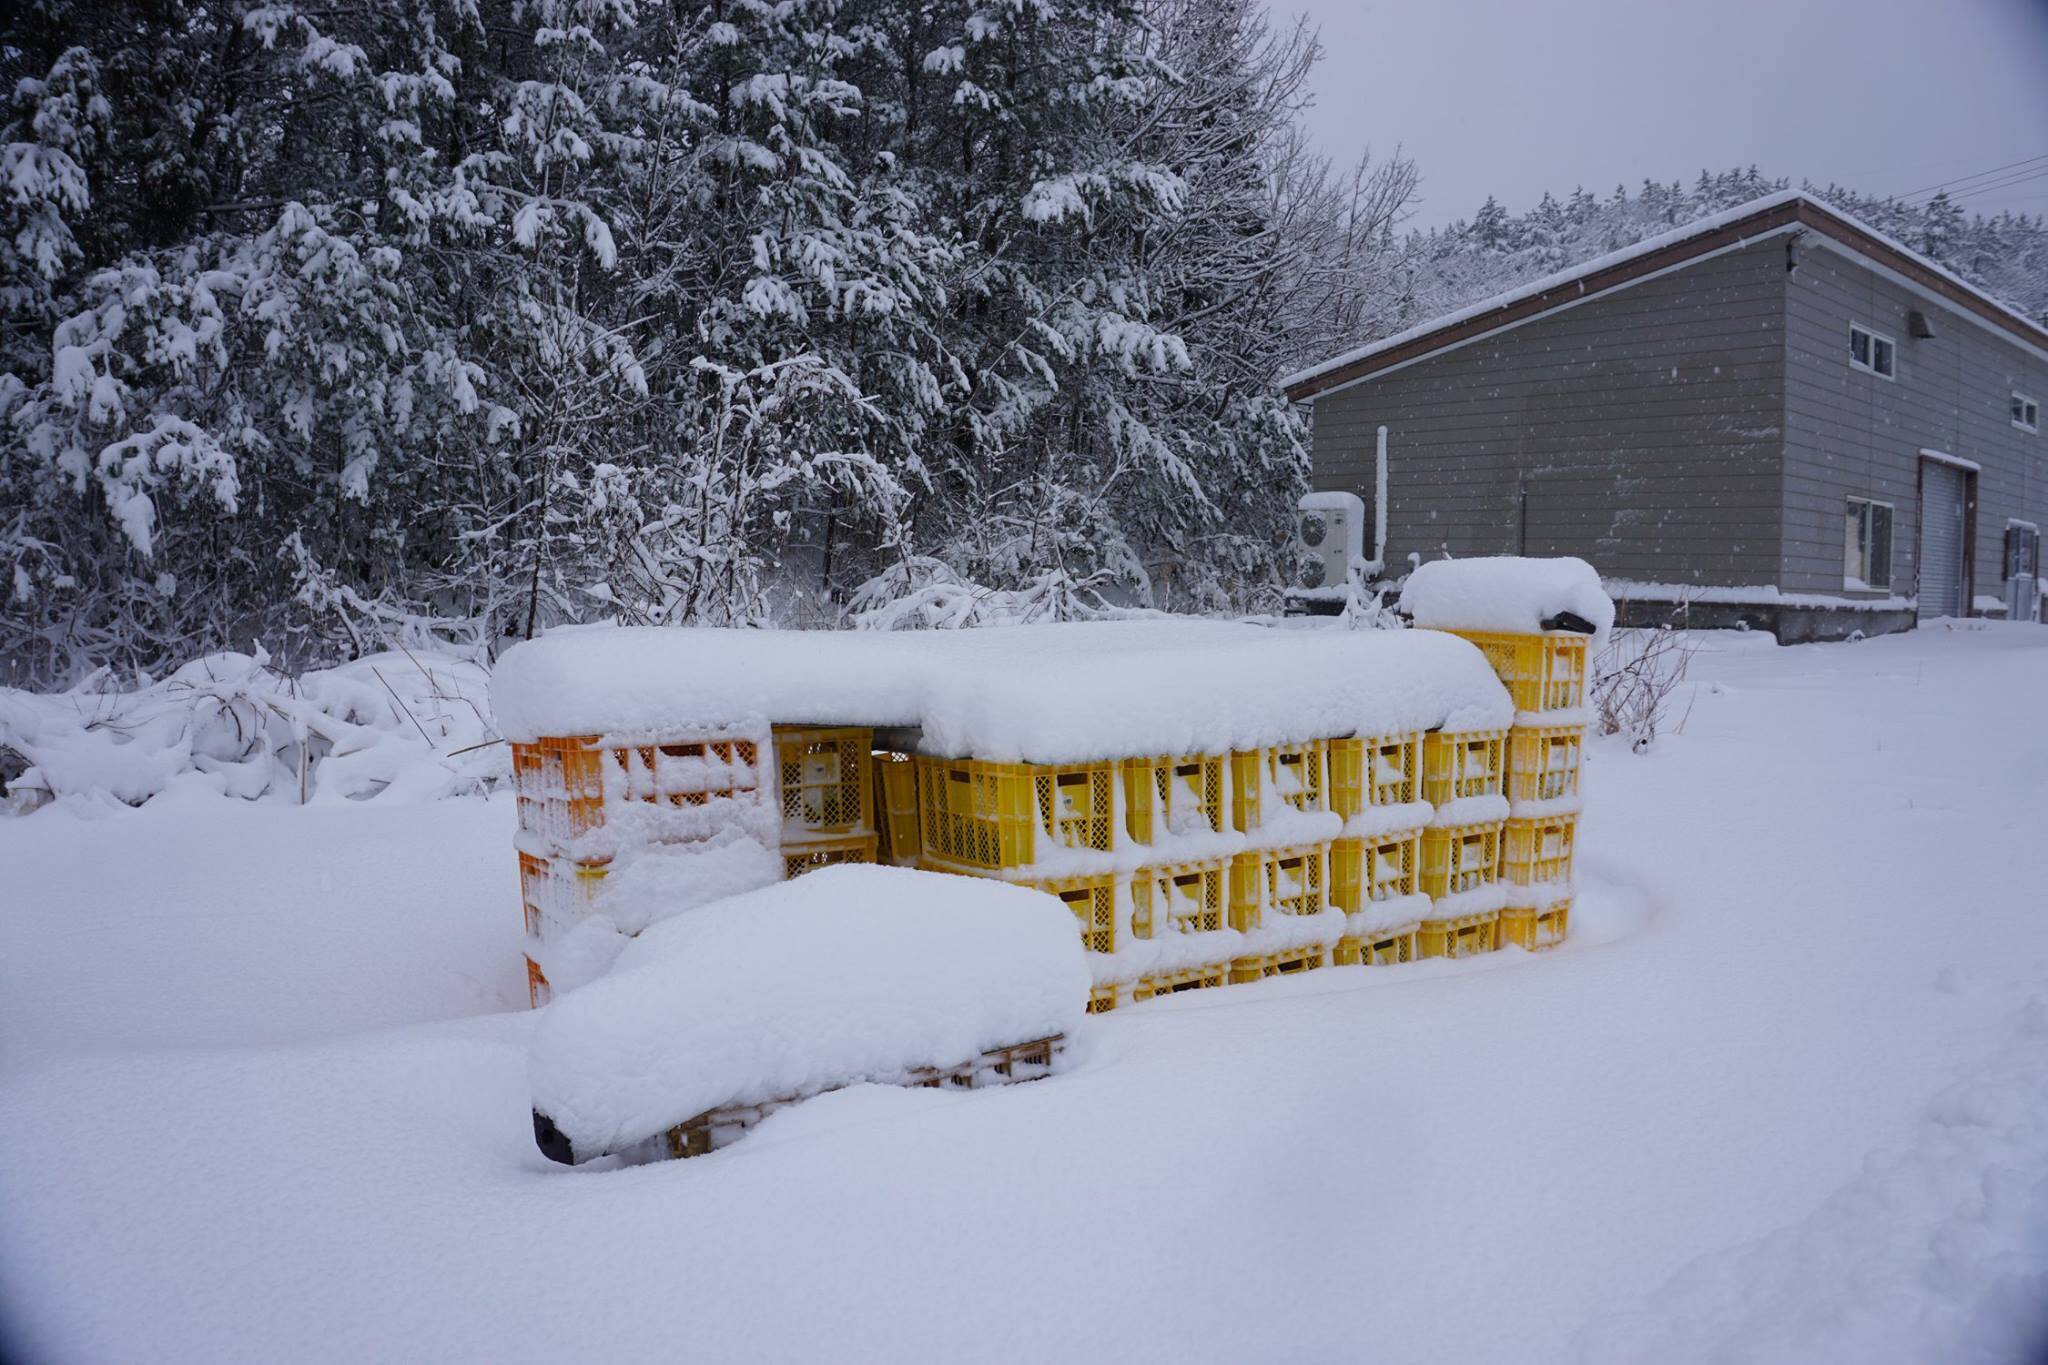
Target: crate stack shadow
x,y
1182,871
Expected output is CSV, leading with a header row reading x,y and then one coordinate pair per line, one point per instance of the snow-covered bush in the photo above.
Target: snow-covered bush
x,y
397,726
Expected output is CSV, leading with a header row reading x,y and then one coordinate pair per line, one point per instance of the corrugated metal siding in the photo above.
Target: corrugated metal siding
x,y
1942,490
1850,433
1642,431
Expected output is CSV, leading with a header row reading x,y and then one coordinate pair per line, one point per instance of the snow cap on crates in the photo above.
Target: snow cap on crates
x,y
1506,593
845,974
1069,692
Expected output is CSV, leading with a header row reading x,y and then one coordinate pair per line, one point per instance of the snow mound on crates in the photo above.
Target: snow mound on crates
x,y
397,726
846,974
1069,692
1505,593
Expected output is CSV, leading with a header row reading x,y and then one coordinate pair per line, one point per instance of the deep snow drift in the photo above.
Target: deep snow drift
x,y
1782,1097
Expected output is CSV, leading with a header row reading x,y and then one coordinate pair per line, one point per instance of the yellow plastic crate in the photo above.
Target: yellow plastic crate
x,y
1366,870
1381,950
1295,774
1163,796
556,892
1543,761
812,854
1179,898
827,788
1186,979
1535,929
1539,851
1386,771
1283,881
1103,999
1093,901
1294,960
993,815
1463,936
896,809
1545,672
1460,763
1460,857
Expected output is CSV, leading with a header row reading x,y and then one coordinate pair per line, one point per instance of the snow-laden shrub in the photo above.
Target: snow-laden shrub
x,y
397,726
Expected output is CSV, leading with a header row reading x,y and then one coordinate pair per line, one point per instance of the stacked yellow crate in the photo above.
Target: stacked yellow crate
x,y
1545,675
1016,821
573,790
1279,886
1462,776
1376,860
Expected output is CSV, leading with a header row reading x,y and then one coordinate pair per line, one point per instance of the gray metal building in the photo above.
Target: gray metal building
x,y
1773,415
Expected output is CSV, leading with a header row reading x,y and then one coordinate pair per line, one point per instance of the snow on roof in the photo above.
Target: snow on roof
x,y
1039,693
1505,593
1649,245
875,971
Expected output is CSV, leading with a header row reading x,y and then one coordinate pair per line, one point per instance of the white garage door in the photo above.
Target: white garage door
x,y
1942,490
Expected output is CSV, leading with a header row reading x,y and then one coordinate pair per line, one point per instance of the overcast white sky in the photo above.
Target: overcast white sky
x,y
1513,97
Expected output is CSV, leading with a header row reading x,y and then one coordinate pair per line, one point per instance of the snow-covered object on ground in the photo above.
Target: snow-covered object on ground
x,y
1505,593
393,726
843,975
1041,693
645,884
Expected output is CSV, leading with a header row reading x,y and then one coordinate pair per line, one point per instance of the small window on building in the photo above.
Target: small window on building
x,y
2026,413
1867,546
1871,351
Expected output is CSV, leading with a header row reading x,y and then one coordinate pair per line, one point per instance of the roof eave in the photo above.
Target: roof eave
x,y
1797,211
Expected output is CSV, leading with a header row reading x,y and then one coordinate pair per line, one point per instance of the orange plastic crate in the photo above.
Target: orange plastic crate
x,y
556,892
537,992
563,783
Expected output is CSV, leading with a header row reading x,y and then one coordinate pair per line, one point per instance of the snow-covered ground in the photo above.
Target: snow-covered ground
x,y
1784,1096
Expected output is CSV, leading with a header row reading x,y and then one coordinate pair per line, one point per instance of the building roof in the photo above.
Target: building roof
x,y
1786,212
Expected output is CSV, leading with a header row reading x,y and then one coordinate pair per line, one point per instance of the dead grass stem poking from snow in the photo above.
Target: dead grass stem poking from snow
x,y
1635,683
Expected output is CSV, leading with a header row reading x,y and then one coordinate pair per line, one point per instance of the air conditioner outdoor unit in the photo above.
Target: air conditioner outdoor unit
x,y
1329,537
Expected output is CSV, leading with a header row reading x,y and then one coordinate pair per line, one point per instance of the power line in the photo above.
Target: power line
x,y
1995,170
2007,183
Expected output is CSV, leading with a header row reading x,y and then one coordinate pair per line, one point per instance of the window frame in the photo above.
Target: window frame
x,y
2025,405
1854,506
1874,337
